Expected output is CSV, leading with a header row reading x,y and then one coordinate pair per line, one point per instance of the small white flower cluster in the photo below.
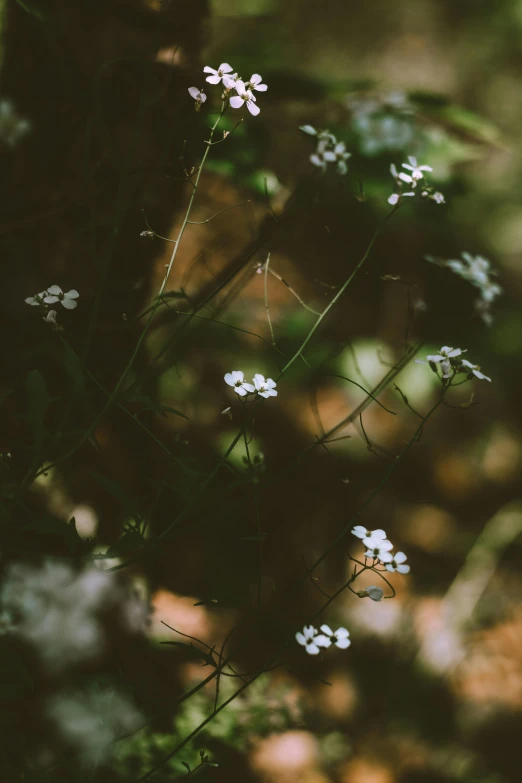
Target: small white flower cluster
x,y
12,127
232,81
57,610
379,548
328,150
412,179
262,387
50,296
384,121
477,271
449,360
91,721
313,641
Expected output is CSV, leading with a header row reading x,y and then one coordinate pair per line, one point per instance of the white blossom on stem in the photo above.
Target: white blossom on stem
x,y
198,96
236,379
217,75
55,294
265,388
416,172
244,96
37,299
373,592
340,637
255,83
475,370
50,318
312,640
397,563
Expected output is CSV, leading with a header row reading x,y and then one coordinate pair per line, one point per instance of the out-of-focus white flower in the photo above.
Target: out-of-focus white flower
x,y
50,318
312,640
236,379
338,155
340,637
397,564
91,721
416,172
217,75
477,271
55,609
13,127
255,83
438,197
265,388
475,369
396,197
244,95
55,294
37,299
198,95
328,150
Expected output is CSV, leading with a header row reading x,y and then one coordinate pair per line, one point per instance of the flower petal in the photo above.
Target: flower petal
x,y
69,304
322,640
253,109
326,629
343,643
214,79
236,102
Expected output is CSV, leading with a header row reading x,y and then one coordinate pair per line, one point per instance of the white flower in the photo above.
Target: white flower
x,y
91,721
395,197
37,299
55,294
312,640
340,637
475,369
244,96
236,378
373,592
438,198
378,547
265,388
216,76
198,96
338,155
12,126
318,160
375,537
396,564
50,318
416,172
361,532
254,83
444,357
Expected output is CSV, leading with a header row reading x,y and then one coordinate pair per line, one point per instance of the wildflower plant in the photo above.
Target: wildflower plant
x,y
58,605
